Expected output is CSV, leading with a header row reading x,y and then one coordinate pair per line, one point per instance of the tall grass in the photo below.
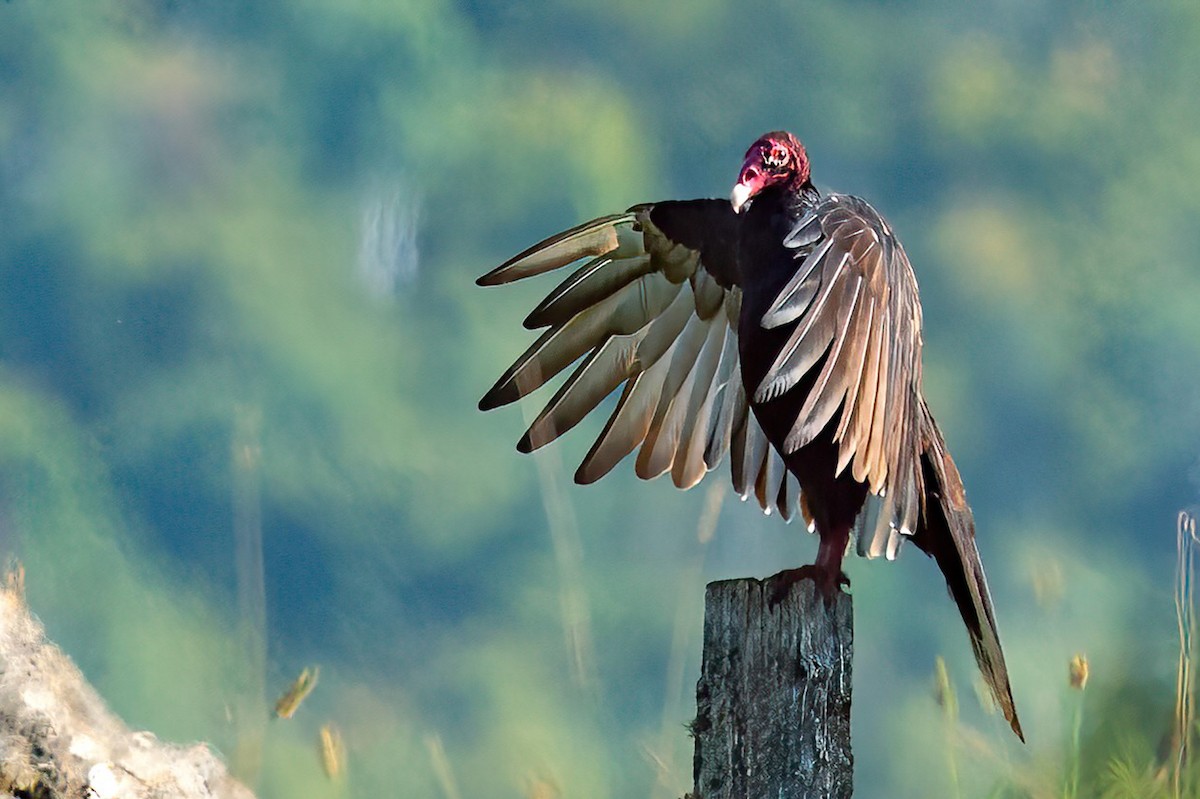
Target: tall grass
x,y
688,621
568,558
947,699
440,762
1185,684
1143,767
250,706
1077,677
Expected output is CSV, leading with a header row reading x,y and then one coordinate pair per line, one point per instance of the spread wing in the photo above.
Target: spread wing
x,y
854,315
653,312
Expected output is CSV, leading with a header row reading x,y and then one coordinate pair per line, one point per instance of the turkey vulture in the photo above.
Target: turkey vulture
x,y
781,326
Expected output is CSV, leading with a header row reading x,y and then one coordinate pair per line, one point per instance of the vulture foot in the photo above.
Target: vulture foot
x,y
828,582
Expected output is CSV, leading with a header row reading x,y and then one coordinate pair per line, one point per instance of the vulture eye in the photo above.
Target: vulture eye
x,y
776,156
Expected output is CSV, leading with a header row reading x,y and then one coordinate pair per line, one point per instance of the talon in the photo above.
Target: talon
x,y
828,583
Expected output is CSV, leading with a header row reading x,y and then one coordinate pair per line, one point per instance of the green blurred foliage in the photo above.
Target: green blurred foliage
x,y
190,197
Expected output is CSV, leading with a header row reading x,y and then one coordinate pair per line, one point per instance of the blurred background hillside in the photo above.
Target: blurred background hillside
x,y
240,350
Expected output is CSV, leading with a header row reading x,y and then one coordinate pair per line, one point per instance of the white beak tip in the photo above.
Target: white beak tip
x,y
739,197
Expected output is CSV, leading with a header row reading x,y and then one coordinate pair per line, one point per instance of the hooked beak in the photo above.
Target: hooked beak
x,y
751,180
739,197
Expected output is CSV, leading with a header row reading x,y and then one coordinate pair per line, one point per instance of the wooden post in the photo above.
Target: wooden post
x,y
773,700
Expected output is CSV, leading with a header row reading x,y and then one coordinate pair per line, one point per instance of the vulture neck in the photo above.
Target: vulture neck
x,y
779,207
763,262
797,198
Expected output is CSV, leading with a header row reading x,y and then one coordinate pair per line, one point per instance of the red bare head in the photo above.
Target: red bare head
x,y
776,158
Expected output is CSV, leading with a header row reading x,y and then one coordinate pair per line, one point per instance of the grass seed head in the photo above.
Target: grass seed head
x,y
1078,671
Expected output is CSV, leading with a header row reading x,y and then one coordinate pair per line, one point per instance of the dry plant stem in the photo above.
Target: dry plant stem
x,y
951,744
568,556
1071,790
250,702
441,767
682,631
947,698
58,739
773,700
1185,688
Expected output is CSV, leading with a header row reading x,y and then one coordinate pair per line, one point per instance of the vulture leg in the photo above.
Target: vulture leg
x,y
826,572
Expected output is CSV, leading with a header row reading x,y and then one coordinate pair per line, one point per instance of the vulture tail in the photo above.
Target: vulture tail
x,y
946,532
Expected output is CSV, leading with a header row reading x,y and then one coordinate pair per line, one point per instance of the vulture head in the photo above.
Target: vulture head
x,y
777,158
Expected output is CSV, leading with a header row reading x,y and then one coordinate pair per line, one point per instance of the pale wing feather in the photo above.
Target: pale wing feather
x,y
591,283
710,297
647,312
615,361
627,426
691,373
799,291
654,458
728,387
603,236
829,390
747,454
624,312
813,334
689,466
855,367
605,368
856,339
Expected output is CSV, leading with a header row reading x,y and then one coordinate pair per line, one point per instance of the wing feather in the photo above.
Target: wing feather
x,y
591,283
748,456
812,336
653,459
605,368
627,426
601,236
855,366
789,491
799,291
689,378
729,394
710,297
653,308
854,342
690,465
829,390
771,478
621,313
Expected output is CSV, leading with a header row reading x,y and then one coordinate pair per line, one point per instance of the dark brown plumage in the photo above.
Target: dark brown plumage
x,y
782,327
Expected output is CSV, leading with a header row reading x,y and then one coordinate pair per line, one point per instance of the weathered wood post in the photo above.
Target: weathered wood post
x,y
773,700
